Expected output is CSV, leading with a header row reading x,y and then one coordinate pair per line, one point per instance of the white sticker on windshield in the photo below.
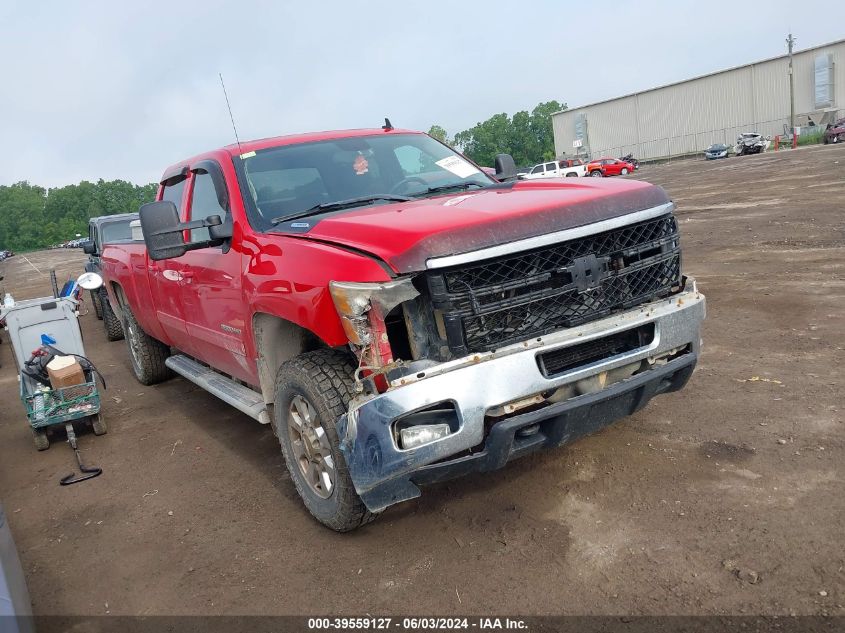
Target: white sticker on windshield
x,y
457,166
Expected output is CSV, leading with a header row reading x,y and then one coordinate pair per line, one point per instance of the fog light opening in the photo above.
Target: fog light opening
x,y
426,426
414,436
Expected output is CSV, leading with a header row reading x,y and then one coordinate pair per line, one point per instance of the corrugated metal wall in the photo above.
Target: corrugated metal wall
x,y
687,117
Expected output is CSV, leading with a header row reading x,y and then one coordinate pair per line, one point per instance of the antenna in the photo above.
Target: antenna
x,y
387,125
231,116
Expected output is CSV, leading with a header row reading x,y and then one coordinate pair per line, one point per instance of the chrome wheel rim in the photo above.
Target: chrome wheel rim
x,y
134,344
311,448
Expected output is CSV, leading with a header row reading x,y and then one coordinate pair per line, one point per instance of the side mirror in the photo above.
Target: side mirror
x,y
89,247
164,233
505,167
89,281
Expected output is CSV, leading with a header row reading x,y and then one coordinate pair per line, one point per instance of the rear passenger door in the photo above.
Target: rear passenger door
x,y
211,287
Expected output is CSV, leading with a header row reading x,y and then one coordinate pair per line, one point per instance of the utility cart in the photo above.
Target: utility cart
x,y
40,330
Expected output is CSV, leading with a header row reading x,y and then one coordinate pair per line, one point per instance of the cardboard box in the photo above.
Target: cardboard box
x,y
65,371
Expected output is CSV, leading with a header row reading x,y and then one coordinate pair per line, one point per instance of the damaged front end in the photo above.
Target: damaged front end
x,y
502,356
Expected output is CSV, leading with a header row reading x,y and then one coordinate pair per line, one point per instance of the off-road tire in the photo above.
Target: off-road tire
x,y
98,425
39,436
325,379
146,354
114,328
96,303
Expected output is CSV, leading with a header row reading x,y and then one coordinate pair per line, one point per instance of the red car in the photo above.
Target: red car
x,y
608,167
835,133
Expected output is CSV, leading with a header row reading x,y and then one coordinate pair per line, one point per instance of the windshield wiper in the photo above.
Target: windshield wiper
x,y
340,204
454,185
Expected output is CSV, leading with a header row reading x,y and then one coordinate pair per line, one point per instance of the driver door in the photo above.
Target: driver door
x,y
211,291
165,275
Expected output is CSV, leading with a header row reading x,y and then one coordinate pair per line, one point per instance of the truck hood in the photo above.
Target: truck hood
x,y
406,234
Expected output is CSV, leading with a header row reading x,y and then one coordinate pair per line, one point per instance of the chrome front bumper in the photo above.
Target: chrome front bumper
x,y
475,384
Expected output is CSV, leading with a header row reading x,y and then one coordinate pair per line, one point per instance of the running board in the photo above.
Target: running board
x,y
242,398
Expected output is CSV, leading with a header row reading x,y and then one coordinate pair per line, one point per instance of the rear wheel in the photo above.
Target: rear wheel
x,y
312,393
95,301
146,354
114,328
836,138
39,436
596,173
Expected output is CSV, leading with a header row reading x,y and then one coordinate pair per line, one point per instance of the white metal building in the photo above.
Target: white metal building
x,y
687,116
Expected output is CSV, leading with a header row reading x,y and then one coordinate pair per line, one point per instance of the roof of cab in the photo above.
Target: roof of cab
x,y
253,146
235,149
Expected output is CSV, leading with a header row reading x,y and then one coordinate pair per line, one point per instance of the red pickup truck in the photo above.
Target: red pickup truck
x,y
398,315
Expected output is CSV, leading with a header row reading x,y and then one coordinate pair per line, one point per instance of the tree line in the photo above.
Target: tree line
x,y
33,217
527,136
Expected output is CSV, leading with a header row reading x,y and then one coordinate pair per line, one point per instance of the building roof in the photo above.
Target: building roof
x,y
697,77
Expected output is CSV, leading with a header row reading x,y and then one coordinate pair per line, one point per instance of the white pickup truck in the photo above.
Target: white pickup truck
x,y
566,168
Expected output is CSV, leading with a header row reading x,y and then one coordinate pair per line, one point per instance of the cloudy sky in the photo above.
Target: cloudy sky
x,y
120,90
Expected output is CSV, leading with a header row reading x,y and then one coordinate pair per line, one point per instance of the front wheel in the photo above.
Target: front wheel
x,y
624,171
312,393
146,353
835,138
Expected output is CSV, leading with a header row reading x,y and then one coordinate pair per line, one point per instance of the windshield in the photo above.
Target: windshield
x,y
293,179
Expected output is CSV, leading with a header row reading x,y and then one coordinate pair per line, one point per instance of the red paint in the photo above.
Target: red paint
x,y
205,301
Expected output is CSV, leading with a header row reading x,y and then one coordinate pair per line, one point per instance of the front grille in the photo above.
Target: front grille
x,y
496,302
561,360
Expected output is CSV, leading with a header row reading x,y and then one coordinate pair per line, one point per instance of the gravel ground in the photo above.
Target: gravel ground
x,y
723,498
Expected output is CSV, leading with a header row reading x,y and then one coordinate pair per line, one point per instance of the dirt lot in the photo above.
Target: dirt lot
x,y
723,498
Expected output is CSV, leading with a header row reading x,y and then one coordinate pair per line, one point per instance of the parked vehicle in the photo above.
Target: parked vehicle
x,y
717,150
408,317
750,143
567,168
835,132
608,167
106,229
6,255
629,158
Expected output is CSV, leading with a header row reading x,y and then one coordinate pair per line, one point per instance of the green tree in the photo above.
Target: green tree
x,y
439,133
32,217
526,136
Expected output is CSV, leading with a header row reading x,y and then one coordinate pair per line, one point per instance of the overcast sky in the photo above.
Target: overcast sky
x,y
120,90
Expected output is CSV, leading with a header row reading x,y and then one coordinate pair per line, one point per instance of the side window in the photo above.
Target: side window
x,y
550,166
204,203
537,169
173,193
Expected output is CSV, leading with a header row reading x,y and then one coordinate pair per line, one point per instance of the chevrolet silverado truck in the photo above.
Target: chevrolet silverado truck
x,y
399,316
101,231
